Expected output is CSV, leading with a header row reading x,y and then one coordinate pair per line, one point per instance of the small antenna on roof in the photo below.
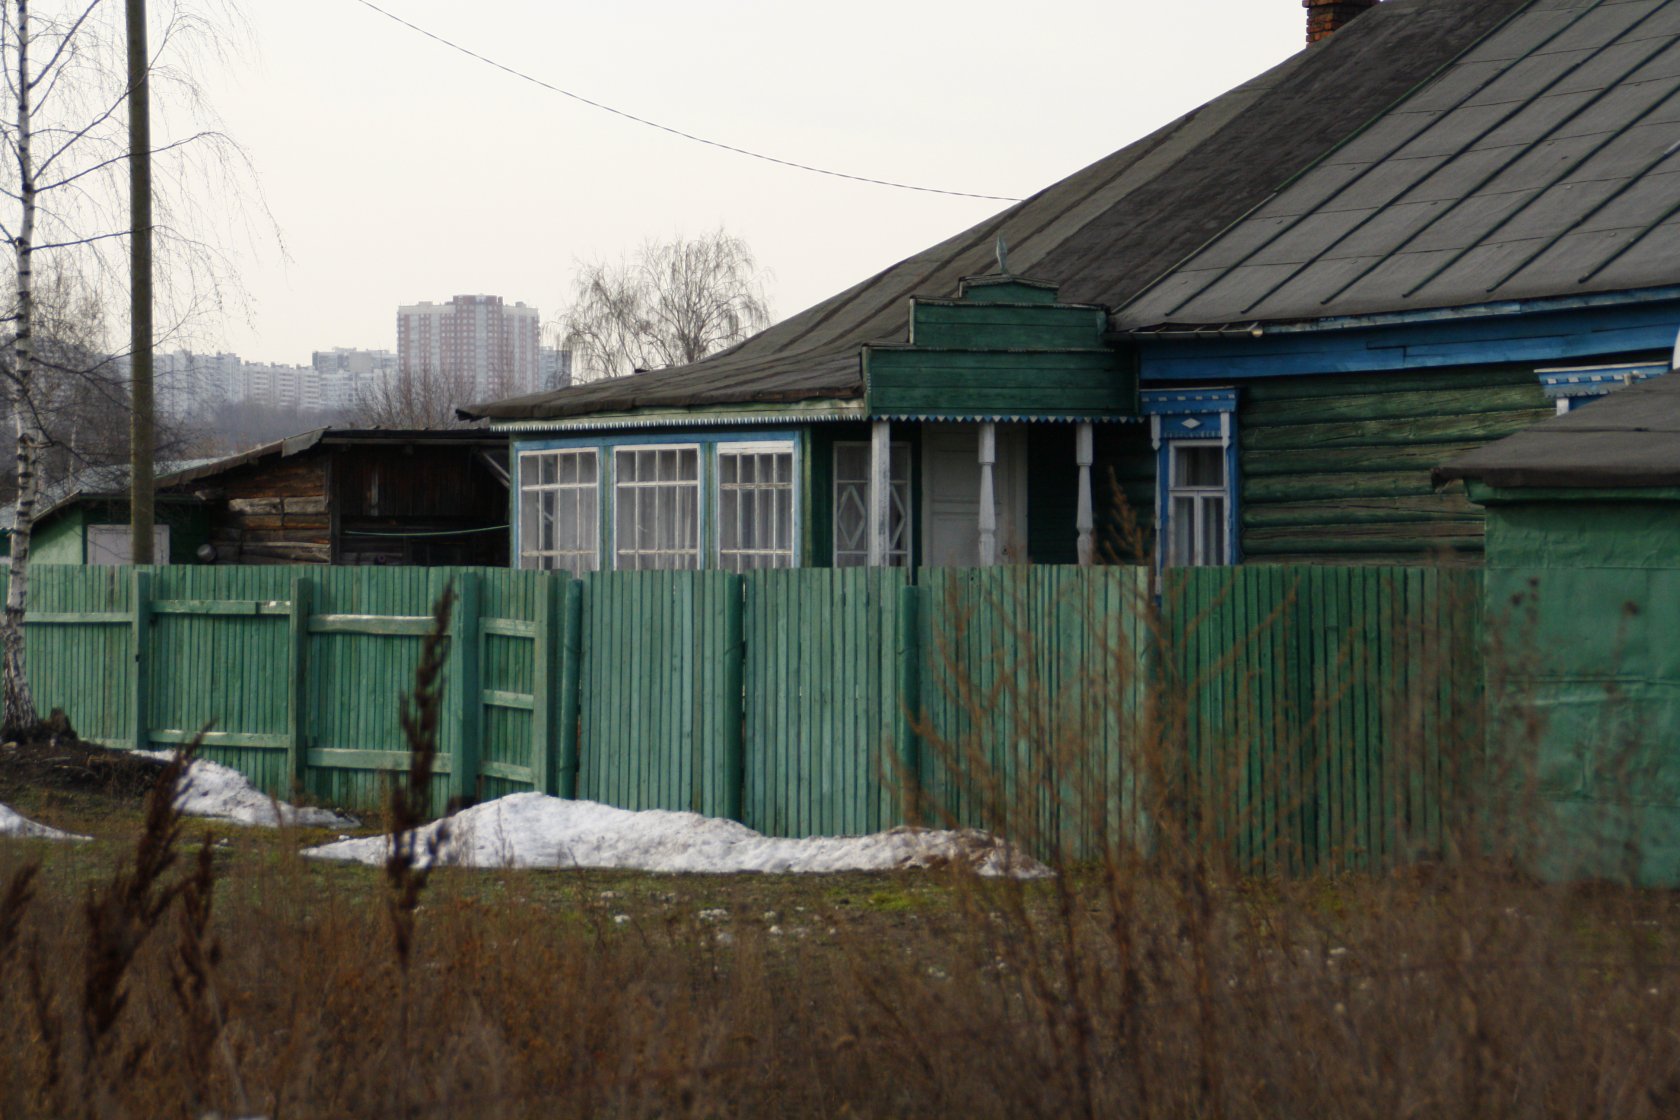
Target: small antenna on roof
x,y
1003,257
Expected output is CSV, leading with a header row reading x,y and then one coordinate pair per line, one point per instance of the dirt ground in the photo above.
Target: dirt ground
x,y
68,765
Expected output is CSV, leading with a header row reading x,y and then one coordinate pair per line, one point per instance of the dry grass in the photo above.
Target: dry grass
x,y
1140,984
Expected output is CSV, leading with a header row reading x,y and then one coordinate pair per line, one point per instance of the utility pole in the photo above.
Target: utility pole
x,y
142,432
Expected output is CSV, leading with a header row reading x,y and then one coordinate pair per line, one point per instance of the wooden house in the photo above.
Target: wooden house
x,y
330,496
1255,331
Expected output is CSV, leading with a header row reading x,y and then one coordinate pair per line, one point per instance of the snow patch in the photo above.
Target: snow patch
x,y
223,793
14,824
532,830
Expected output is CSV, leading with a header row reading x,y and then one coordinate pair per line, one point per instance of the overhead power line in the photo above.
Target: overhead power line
x,y
452,45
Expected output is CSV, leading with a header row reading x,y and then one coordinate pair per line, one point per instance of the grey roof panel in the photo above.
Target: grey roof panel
x,y
1629,439
1551,173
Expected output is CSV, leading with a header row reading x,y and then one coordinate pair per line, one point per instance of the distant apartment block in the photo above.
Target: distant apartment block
x,y
193,384
554,368
489,347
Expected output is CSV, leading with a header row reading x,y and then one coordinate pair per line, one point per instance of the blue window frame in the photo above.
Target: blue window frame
x,y
1575,386
1196,493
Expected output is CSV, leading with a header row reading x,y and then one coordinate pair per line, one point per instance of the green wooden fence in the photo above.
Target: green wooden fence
x,y
1295,716
1324,711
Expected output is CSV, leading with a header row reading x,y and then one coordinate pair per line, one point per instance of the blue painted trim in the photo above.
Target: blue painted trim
x,y
1188,402
1194,416
1562,383
1583,334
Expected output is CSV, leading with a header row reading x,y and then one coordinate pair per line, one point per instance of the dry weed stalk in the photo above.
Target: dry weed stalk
x,y
409,863
20,890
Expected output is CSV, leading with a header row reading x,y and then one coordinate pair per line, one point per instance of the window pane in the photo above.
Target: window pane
x,y
1213,529
851,505
558,527
1201,466
750,498
657,508
1183,551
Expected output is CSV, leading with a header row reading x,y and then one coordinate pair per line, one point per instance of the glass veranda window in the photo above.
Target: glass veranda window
x,y
851,506
755,507
656,508
559,512
1197,516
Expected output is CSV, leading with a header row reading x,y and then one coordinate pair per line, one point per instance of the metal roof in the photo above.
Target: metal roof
x,y
1545,161
1631,438
1101,234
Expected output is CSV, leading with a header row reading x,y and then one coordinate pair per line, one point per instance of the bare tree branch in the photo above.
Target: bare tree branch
x,y
672,304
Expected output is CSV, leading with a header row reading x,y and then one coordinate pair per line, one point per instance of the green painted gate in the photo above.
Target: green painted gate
x,y
661,688
823,712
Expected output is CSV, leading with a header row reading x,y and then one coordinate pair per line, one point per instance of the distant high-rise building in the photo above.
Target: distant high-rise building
x,y
489,348
345,374
554,368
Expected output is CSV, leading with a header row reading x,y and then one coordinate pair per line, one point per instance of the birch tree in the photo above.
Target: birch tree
x,y
63,180
671,304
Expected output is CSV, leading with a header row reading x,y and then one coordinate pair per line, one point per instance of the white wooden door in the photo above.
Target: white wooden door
x,y
951,495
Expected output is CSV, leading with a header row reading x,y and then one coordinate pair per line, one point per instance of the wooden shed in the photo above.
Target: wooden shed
x,y
1583,586
330,496
356,496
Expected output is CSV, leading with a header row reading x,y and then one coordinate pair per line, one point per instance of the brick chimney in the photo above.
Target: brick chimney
x,y
1326,17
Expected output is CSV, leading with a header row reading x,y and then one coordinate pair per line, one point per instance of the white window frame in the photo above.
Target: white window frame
x,y
901,498
782,558
534,558
698,483
112,545
1201,554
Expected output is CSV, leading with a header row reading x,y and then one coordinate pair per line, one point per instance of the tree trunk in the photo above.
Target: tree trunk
x,y
19,714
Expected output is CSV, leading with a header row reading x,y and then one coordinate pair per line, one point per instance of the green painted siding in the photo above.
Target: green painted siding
x,y
935,383
1005,350
1584,594
1336,469
60,539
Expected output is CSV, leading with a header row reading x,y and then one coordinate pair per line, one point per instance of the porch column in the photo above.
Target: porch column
x,y
988,504
1083,520
880,493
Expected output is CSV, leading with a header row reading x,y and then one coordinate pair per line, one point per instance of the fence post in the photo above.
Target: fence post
x,y
909,701
734,733
571,683
140,609
297,712
465,641
542,686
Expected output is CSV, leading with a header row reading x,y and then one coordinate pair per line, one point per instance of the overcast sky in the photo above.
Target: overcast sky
x,y
398,170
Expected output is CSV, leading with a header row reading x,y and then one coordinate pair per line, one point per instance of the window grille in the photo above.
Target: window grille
x,y
851,506
755,506
559,511
656,508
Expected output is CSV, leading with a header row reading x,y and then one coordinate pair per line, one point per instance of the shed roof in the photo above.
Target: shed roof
x,y
336,437
1545,161
1629,439
1102,233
